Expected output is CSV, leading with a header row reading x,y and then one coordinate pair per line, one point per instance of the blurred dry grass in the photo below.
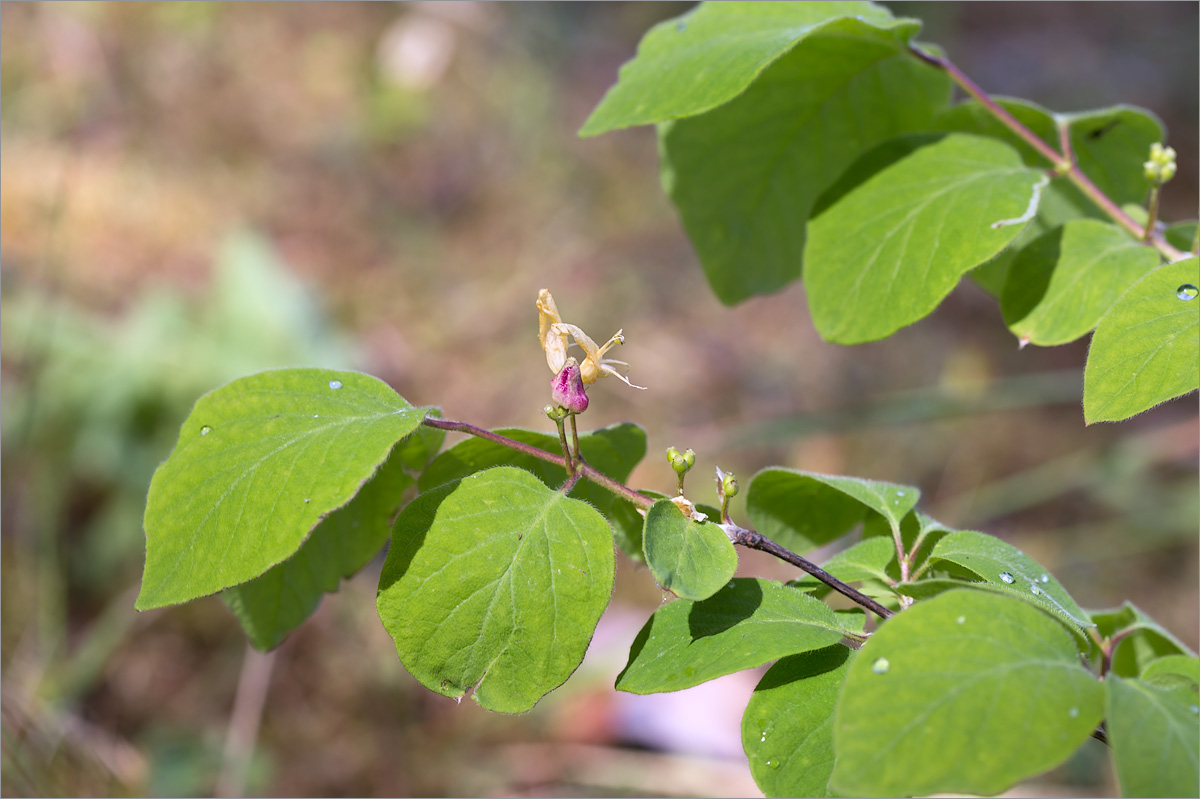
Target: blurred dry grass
x,y
416,166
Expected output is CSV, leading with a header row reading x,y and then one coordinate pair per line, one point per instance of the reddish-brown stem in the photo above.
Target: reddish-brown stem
x,y
1061,164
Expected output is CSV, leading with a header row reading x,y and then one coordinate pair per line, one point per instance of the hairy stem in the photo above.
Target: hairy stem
x,y
562,439
755,540
1062,164
1152,212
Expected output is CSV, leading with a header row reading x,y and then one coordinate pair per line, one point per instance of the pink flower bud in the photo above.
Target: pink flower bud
x,y
568,390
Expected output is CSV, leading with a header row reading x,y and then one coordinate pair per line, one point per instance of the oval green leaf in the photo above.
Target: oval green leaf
x,y
273,604
691,64
938,680
1009,569
259,463
692,560
1146,348
1064,281
803,510
747,623
1154,737
787,729
744,176
890,249
495,582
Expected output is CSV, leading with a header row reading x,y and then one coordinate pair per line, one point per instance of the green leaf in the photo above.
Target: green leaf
x,y
968,692
692,560
1063,282
745,176
871,558
495,582
1143,640
1182,235
1146,348
747,623
787,729
273,604
694,63
891,248
628,523
1009,569
803,510
613,451
1110,145
260,461
1178,674
1154,739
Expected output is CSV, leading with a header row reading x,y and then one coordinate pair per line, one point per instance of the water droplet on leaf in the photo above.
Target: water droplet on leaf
x,y
1073,712
881,666
1006,577
205,430
335,384
307,501
1187,292
1037,591
1045,578
961,620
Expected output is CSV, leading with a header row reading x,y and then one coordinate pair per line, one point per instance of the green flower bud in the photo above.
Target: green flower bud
x,y
555,413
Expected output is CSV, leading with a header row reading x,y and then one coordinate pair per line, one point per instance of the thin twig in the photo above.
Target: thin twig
x,y
244,722
1062,164
755,540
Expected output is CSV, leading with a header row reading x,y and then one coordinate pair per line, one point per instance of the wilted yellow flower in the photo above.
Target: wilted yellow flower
x,y
554,334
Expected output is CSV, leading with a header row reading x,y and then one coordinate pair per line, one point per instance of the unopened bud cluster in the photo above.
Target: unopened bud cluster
x,y
1161,166
681,462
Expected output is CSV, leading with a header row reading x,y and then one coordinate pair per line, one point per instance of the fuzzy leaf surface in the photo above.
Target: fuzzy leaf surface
x,y
1146,348
259,463
747,623
953,671
887,251
495,582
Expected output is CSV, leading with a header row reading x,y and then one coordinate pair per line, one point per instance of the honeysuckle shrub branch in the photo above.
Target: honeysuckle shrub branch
x,y
819,141
502,560
920,658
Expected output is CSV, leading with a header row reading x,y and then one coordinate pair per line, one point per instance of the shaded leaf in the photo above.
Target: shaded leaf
x,y
1142,640
871,558
787,729
944,675
1146,349
692,560
747,623
260,461
495,582
802,510
745,176
1063,282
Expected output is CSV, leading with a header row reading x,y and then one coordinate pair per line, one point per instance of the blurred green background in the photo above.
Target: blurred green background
x,y
194,191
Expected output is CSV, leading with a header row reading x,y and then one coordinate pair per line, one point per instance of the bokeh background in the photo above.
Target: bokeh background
x,y
194,191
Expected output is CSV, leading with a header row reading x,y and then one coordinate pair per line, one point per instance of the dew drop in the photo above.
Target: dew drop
x,y
1036,591
961,620
1045,578
316,416
881,666
1073,712
680,27
1187,292
773,763
205,430
307,501
1196,708
335,384
899,493
763,738
1006,577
